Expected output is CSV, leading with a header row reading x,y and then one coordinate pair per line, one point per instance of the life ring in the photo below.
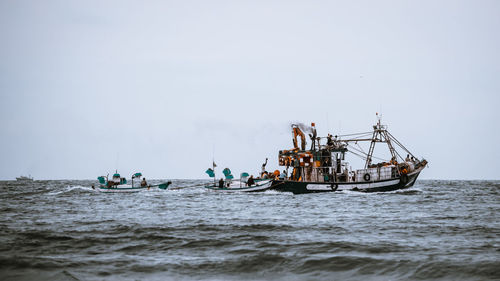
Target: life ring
x,y
404,179
367,177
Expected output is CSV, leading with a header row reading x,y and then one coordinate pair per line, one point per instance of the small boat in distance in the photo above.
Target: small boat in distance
x,y
24,179
119,184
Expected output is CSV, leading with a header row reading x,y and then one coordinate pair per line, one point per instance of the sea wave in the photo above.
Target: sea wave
x,y
63,230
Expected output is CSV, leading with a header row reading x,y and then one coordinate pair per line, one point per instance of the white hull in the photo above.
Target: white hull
x,y
122,188
235,187
380,184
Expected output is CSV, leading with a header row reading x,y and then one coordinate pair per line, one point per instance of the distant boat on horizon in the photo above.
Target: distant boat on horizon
x,y
24,179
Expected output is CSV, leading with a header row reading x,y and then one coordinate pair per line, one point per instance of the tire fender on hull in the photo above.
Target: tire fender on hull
x,y
367,177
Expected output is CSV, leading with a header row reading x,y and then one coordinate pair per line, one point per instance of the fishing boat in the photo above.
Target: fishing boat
x,y
323,168
24,179
246,183
119,184
238,186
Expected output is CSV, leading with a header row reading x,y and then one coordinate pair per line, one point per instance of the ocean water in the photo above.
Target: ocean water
x,y
64,230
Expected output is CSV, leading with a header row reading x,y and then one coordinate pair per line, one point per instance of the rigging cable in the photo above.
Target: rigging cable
x,y
354,134
360,156
366,154
358,137
400,145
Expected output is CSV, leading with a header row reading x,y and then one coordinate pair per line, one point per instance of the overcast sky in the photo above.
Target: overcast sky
x,y
162,87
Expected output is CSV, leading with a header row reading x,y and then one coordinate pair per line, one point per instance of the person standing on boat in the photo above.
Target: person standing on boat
x,y
263,169
250,180
221,183
393,160
329,140
413,160
143,182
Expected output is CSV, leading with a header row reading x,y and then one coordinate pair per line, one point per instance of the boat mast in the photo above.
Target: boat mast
x,y
372,147
380,134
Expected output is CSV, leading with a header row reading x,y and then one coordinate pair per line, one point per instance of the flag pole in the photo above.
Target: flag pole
x,y
213,168
213,163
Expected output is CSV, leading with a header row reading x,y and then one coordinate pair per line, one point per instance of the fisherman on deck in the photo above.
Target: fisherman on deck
x,y
393,161
407,158
329,141
250,180
221,183
143,182
345,174
283,175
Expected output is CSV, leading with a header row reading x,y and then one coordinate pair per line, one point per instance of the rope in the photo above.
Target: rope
x,y
400,145
366,154
348,135
181,187
360,148
358,137
360,156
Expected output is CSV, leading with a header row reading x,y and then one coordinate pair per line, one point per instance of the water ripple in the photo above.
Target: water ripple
x,y
64,230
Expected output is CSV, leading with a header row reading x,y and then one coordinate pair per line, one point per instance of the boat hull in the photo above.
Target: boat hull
x,y
236,188
129,188
24,179
121,189
369,186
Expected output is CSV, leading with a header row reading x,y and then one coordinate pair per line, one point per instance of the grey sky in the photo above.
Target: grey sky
x,y
158,86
